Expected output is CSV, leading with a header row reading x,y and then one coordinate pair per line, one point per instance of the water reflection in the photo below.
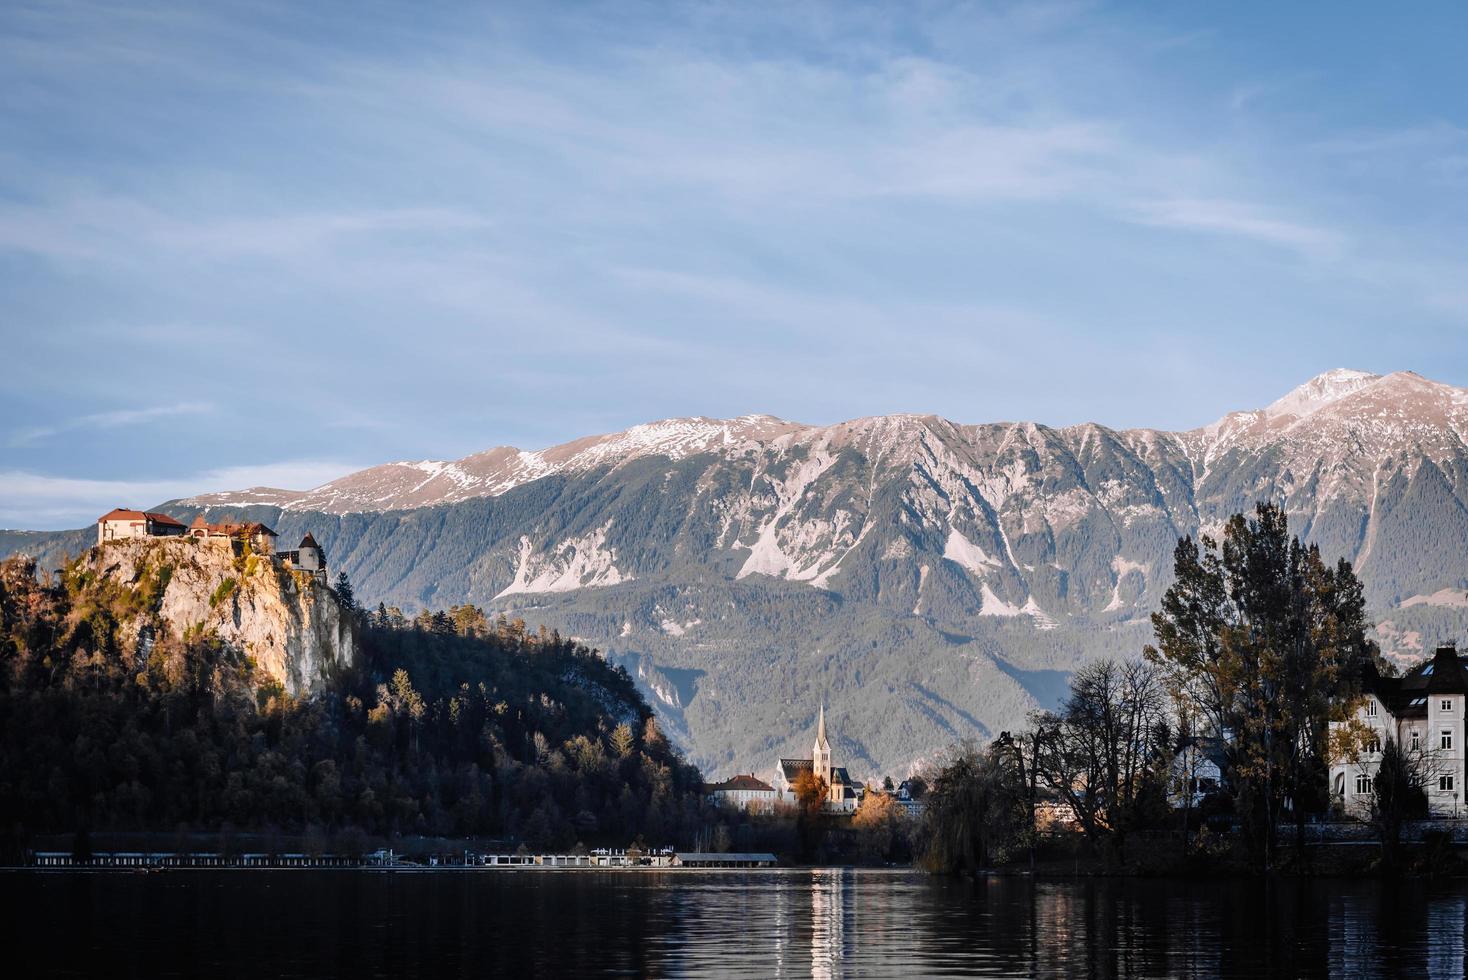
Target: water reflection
x,y
821,923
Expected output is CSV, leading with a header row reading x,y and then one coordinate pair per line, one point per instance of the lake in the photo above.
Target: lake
x,y
789,923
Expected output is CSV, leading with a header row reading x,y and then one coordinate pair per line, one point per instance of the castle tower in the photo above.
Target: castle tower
x,y
821,757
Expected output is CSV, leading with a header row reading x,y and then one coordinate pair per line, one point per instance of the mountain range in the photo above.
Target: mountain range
x,y
928,581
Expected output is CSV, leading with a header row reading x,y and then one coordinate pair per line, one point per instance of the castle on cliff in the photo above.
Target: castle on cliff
x,y
121,523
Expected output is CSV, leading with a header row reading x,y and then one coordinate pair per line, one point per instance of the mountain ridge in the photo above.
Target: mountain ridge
x,y
928,580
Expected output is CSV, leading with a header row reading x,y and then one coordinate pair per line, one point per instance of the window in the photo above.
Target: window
x,y
1416,740
1363,784
1374,745
1445,783
1446,705
1371,709
1447,739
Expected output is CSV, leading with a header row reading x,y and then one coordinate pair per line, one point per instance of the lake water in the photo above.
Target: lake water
x,y
811,923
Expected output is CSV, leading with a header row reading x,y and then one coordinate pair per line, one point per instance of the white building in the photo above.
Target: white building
x,y
1423,712
123,523
745,792
1194,772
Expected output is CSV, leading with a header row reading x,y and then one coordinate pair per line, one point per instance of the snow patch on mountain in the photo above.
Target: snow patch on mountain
x,y
1454,598
967,554
1319,392
1122,567
576,563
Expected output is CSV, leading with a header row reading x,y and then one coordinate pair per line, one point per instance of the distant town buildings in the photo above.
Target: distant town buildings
x,y
841,793
121,523
745,792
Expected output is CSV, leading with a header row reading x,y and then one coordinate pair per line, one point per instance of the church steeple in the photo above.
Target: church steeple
x,y
821,757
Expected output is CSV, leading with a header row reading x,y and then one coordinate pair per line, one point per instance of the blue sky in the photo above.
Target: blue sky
x,y
261,243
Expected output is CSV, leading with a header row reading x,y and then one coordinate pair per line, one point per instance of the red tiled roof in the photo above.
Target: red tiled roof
x,y
742,783
228,528
122,514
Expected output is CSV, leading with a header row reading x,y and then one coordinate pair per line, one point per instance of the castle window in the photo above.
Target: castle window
x,y
1445,784
1374,745
1371,709
1363,784
1447,738
1446,705
1416,740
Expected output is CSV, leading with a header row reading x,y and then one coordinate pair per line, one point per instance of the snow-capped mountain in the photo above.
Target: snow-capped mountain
x,y
928,580
424,483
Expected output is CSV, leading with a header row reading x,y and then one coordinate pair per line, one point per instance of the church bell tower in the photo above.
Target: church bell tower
x,y
821,757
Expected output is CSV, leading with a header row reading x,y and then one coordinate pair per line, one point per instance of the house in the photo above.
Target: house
x,y
1195,771
841,792
1422,711
744,792
122,523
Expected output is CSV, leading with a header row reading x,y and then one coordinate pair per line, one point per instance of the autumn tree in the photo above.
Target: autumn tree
x,y
810,801
1266,643
878,826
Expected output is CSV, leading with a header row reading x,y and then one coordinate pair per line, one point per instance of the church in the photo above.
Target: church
x,y
840,791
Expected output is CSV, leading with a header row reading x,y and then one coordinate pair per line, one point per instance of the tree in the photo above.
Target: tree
x,y
622,740
810,800
1265,643
878,823
975,810
1101,753
344,595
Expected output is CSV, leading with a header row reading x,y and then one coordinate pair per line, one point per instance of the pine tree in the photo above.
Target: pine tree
x,y
1266,643
344,596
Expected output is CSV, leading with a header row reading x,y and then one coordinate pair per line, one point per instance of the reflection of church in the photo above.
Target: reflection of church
x,y
840,792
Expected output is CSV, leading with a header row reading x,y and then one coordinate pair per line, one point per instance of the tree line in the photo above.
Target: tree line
x,y
450,725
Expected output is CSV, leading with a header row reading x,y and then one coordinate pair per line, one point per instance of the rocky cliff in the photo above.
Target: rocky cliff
x,y
287,622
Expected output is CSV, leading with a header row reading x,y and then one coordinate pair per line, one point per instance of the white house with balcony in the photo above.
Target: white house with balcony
x,y
1423,712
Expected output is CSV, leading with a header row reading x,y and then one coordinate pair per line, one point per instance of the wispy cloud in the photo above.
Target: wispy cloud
x,y
29,500
1222,217
114,419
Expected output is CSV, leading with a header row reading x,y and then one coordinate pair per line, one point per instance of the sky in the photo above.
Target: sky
x,y
268,244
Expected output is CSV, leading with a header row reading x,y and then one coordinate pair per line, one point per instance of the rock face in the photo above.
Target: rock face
x,y
289,623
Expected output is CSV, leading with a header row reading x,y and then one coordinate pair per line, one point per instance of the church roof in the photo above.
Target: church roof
x,y
790,768
742,782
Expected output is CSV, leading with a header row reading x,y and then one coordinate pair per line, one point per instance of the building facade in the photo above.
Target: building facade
x,y
744,792
1422,711
122,523
261,538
